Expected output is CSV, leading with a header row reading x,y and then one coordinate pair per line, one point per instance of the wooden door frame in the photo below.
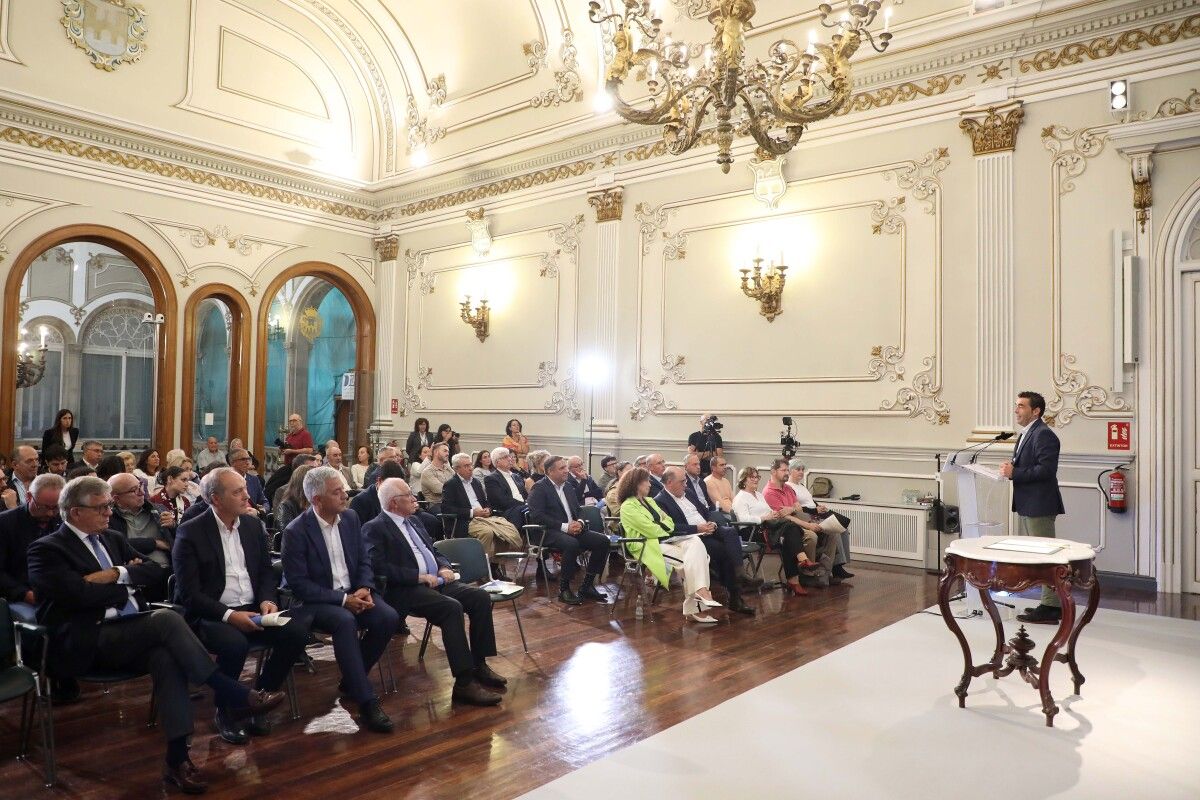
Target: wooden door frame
x,y
239,362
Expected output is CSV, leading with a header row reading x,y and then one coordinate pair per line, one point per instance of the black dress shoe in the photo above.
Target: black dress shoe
x,y
258,725
739,606
749,582
589,592
841,572
1042,615
489,677
570,598
374,718
231,730
185,777
474,695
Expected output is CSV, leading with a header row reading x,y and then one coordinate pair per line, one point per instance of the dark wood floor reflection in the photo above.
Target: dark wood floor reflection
x,y
589,686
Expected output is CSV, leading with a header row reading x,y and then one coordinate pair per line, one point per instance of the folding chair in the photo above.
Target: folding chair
x,y
18,680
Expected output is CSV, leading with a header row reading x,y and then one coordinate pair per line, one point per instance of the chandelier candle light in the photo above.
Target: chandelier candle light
x,y
478,318
686,82
30,367
766,289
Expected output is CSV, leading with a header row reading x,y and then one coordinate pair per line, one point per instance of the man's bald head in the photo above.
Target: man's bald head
x,y
127,491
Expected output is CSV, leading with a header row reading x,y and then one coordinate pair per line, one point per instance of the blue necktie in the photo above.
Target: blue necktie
x,y
106,563
418,546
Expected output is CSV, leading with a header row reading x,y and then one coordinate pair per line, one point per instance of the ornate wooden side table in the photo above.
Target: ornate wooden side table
x,y
985,565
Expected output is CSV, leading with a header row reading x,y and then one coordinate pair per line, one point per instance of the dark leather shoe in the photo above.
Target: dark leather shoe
x,y
185,778
1042,615
258,725
739,606
570,598
474,695
374,719
260,702
231,730
489,677
843,573
589,592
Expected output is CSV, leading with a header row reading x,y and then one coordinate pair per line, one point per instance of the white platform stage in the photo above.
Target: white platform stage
x,y
878,719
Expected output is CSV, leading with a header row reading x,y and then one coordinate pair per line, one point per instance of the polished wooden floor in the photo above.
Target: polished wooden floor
x,y
590,685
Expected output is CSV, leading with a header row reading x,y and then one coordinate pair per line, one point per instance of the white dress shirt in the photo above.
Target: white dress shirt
x,y
471,494
690,512
404,531
512,486
337,557
239,589
562,498
750,506
122,573
698,487
804,495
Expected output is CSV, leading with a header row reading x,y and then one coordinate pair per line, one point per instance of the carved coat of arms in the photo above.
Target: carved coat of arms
x,y
111,32
310,324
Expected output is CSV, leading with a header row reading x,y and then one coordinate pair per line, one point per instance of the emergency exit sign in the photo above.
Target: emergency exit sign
x,y
1118,436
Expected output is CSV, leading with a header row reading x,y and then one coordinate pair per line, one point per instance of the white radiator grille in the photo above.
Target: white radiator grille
x,y
884,531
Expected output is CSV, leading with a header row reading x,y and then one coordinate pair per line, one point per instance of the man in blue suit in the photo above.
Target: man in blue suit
x,y
553,506
325,564
1036,498
241,461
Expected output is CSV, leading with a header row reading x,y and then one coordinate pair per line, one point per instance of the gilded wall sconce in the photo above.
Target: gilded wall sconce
x,y
478,317
31,364
766,289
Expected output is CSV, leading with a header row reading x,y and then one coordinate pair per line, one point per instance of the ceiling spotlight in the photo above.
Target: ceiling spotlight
x,y
1118,96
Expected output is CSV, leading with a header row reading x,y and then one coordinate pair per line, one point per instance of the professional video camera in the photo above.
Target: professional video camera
x,y
786,440
711,425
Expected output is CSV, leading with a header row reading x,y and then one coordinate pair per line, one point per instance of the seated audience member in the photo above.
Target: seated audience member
x,y
419,438
303,460
358,470
810,506
173,458
333,458
723,543
464,497
223,579
62,433
56,460
172,496
420,582
294,503
656,465
210,455
435,476
92,452
586,490
80,470
720,491
109,466
238,444
780,496
536,462
241,461
506,492
424,458
84,577
697,491
610,497
19,528
326,565
749,505
24,470
366,503
148,465
641,516
482,465
148,530
608,472
517,443
385,455
8,495
555,508
128,459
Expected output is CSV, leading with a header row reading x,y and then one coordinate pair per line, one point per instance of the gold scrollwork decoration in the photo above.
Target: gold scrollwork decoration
x,y
650,220
923,398
608,203
1073,395
527,181
414,261
1175,107
1105,46
111,32
901,93
994,130
886,362
568,86
886,216
310,324
564,399
1071,151
921,177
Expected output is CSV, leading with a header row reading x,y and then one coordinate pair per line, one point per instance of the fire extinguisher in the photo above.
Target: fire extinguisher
x,y
1116,488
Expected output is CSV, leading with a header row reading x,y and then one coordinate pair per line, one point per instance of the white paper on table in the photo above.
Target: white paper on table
x,y
1017,546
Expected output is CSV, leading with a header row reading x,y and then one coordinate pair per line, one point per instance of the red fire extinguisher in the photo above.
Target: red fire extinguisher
x,y
1116,488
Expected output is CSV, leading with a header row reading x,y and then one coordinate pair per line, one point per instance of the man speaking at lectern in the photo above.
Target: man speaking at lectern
x,y
1036,499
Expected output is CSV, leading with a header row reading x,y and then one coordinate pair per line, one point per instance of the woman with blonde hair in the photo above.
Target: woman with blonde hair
x,y
641,516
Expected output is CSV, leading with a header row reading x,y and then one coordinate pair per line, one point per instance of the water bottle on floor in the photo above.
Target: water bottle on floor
x,y
639,610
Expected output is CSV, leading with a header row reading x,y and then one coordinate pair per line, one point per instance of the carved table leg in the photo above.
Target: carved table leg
x,y
1062,586
1068,658
948,577
990,605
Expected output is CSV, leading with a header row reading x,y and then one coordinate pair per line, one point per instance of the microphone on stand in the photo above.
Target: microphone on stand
x,y
982,445
1000,437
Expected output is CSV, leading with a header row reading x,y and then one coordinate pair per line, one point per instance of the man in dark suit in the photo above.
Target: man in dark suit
x,y
1036,497
366,503
19,528
326,565
657,466
506,494
84,577
463,496
223,580
587,492
723,544
697,492
420,582
242,462
554,507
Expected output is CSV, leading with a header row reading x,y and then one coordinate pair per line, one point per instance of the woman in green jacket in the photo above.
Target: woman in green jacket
x,y
641,517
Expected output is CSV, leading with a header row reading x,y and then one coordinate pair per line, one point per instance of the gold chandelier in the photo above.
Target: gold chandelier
x,y
687,82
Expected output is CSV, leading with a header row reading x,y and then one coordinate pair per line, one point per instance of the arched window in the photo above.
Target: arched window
x,y
118,371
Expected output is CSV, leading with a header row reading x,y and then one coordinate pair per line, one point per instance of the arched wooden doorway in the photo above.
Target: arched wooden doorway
x,y
239,360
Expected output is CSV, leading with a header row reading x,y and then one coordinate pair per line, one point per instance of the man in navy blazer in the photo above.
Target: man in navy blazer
x,y
421,582
722,542
582,484
326,565
242,461
223,579
1036,497
553,506
505,488
657,466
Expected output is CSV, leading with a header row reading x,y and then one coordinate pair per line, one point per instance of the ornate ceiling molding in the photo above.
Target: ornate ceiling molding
x,y
901,93
494,189
1105,46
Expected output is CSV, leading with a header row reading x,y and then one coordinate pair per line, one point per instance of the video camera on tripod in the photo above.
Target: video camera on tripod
x,y
787,441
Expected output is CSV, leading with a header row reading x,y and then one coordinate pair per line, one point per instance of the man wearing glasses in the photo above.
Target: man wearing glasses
x,y
240,460
86,578
148,530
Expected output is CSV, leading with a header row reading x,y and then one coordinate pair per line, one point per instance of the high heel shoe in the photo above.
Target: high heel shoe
x,y
797,589
707,603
